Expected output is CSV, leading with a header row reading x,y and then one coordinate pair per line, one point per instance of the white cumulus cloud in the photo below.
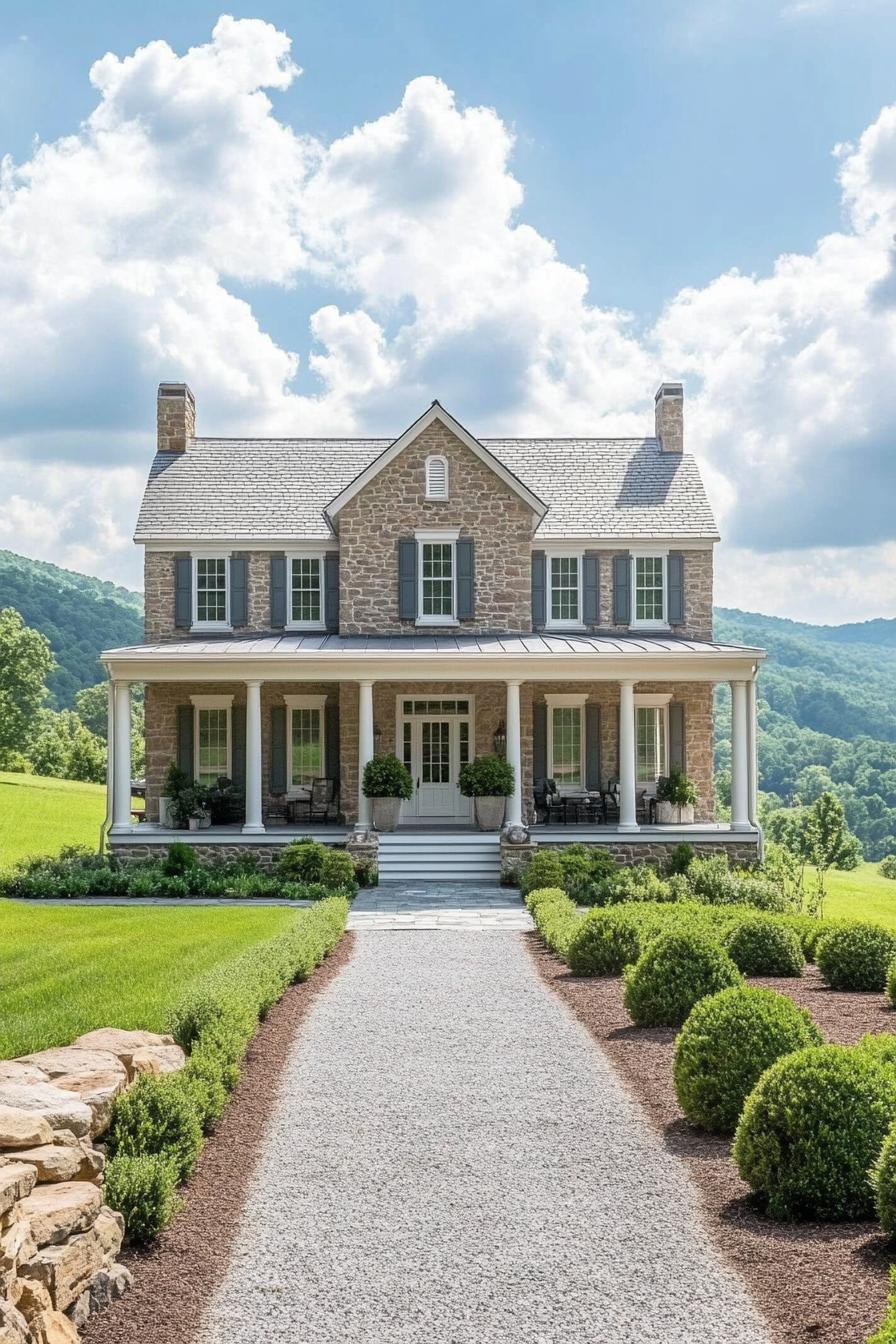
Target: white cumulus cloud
x,y
122,246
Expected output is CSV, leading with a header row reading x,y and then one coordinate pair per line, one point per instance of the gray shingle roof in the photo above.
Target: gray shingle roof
x,y
273,489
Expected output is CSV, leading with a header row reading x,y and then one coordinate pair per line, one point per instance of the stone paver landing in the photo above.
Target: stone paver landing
x,y
435,905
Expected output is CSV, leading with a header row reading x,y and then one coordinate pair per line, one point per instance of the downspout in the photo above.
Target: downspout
x,y
110,757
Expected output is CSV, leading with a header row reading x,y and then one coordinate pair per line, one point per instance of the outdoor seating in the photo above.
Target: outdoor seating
x,y
321,804
549,806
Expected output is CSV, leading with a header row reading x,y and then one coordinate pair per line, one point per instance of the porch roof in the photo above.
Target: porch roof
x,y
529,657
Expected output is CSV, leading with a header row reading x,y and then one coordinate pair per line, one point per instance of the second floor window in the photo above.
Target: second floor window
x,y
210,590
305,591
650,601
564,597
437,579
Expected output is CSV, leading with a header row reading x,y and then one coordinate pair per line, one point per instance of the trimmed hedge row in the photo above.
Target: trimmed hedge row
x,y
556,917
157,1127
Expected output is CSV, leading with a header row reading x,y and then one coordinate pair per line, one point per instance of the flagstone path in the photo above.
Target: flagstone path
x,y
452,1158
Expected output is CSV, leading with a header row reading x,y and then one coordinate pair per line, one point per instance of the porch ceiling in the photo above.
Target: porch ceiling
x,y
535,657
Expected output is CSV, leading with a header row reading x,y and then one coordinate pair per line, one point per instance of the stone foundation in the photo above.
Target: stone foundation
x,y
59,1242
364,847
741,852
515,857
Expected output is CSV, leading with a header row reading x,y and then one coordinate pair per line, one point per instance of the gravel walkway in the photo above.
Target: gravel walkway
x,y
452,1159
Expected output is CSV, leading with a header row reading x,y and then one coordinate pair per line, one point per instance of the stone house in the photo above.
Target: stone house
x,y
310,602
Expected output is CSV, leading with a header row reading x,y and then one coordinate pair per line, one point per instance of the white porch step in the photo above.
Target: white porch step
x,y
439,856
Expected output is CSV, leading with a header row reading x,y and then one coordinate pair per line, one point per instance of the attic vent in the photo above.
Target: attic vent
x,y
436,478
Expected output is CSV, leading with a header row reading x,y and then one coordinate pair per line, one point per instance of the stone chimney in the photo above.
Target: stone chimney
x,y
670,417
176,418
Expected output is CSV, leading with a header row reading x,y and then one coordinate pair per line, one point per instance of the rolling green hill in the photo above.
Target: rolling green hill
x,y
827,716
79,616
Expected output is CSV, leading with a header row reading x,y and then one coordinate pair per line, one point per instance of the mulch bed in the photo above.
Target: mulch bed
x,y
175,1277
822,1282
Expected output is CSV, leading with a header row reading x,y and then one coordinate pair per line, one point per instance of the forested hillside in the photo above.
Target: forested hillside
x,y
827,714
79,616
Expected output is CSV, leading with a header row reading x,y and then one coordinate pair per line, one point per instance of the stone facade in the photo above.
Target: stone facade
x,y
158,583
697,594
393,504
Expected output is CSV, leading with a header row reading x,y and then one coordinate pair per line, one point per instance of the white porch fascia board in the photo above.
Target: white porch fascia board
x,y
425,665
435,412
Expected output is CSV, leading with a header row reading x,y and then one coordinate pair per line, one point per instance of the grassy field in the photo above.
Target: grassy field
x,y
861,894
67,969
39,816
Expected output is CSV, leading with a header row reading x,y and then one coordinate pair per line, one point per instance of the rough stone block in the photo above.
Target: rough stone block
x,y
60,1109
21,1128
57,1212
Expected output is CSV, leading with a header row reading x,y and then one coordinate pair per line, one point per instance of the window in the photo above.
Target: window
x,y
651,738
305,598
210,604
437,579
564,597
306,747
565,735
650,590
211,737
437,478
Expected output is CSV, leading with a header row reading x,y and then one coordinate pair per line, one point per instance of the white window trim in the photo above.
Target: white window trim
x,y
658,700
212,702
306,553
436,457
649,554
561,554
441,536
576,700
194,570
318,702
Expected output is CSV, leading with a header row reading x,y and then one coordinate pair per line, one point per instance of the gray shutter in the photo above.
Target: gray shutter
x,y
278,592
677,758
239,590
466,579
539,740
238,746
185,739
331,737
592,746
278,749
183,591
622,589
675,578
331,592
591,588
407,579
539,596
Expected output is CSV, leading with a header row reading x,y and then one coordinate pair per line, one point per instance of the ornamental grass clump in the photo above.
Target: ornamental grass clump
x,y
727,1042
812,1128
676,970
760,945
856,956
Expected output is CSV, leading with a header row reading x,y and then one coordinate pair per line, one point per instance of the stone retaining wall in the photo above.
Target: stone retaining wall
x,y
58,1241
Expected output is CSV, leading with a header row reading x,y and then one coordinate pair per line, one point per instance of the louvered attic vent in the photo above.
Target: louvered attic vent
x,y
436,478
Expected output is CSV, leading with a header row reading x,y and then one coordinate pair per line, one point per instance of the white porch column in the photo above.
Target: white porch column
x,y
753,754
628,820
253,824
121,757
365,749
514,755
740,783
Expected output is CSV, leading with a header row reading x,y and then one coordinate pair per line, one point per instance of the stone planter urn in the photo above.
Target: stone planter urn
x,y
385,813
199,823
674,814
489,813
165,817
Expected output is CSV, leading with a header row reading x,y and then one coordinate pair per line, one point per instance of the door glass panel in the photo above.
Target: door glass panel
x,y
464,731
436,753
406,745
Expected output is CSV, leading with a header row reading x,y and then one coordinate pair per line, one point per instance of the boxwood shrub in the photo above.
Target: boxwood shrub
x,y
556,917
157,1116
856,956
676,970
144,1190
759,945
811,1130
543,870
887,1332
883,1179
727,1042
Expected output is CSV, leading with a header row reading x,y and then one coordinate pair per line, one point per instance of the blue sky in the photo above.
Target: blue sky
x,y
657,146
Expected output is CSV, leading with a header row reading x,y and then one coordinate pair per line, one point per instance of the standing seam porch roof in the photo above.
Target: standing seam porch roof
x,y
278,489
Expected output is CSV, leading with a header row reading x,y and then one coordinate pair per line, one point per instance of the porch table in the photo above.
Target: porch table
x,y
592,800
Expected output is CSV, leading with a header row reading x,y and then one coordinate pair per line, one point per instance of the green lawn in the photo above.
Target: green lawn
x,y
39,816
67,969
861,894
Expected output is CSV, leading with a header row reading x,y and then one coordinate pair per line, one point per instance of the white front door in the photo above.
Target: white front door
x,y
434,745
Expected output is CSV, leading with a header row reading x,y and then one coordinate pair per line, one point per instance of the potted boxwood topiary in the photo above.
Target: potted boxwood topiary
x,y
191,808
387,783
489,782
176,780
675,798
